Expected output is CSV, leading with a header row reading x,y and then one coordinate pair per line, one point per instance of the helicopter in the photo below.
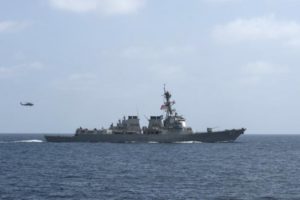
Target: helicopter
x,y
26,104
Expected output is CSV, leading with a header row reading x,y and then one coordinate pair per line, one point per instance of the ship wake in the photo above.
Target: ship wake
x,y
178,142
23,141
34,140
187,142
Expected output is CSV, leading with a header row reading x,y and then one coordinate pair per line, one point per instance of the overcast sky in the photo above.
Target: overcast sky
x,y
228,63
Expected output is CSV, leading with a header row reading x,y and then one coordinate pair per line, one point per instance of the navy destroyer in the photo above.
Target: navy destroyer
x,y
170,128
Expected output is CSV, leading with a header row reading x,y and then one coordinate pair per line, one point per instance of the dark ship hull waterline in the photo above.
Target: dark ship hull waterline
x,y
169,129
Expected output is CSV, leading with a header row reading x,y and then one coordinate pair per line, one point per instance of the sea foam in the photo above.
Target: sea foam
x,y
34,140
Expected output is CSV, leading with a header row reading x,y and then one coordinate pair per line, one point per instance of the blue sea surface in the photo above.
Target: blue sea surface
x,y
253,167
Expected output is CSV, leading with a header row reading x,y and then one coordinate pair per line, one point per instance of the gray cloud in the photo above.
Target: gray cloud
x,y
258,28
12,71
106,7
11,26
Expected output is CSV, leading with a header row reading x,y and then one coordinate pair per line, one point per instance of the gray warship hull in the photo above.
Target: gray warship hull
x,y
169,129
207,137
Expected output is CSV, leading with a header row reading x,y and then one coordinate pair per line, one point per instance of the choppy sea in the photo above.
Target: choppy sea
x,y
262,167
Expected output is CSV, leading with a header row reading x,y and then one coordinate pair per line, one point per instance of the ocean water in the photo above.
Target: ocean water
x,y
253,167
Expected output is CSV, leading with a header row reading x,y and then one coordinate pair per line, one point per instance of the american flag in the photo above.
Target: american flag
x,y
163,107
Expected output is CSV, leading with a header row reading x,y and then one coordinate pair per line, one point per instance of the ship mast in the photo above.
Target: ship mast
x,y
167,106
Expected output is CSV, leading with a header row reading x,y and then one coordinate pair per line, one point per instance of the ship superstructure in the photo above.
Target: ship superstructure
x,y
172,120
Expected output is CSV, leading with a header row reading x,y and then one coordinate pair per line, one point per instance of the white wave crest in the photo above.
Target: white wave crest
x,y
22,141
188,142
28,141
